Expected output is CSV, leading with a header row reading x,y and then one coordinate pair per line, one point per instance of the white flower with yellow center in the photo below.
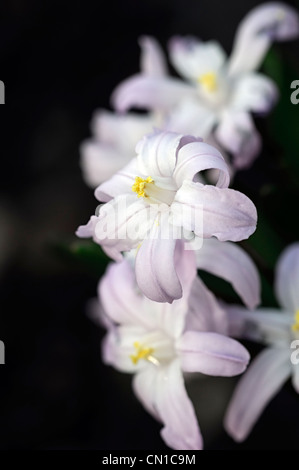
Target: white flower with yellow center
x,y
218,94
159,342
279,329
156,200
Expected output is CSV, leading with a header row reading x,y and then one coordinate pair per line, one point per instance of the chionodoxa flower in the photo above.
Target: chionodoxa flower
x,y
159,342
279,361
156,200
217,95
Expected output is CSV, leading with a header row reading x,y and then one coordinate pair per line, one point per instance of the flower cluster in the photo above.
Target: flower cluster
x,y
162,217
214,99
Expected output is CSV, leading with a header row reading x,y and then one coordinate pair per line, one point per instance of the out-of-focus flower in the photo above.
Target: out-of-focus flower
x,y
114,135
155,200
217,96
274,365
159,342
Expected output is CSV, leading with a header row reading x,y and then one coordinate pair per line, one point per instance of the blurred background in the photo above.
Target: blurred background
x,y
60,61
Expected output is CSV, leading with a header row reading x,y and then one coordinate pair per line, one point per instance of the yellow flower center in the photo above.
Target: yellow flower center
x,y
142,353
139,186
295,326
208,81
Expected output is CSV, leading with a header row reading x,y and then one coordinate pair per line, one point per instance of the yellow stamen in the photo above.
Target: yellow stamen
x,y
208,81
141,353
295,326
139,185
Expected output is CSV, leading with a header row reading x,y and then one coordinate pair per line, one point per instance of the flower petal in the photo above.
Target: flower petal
x,y
144,386
287,278
150,92
175,409
196,156
254,92
99,162
87,231
263,25
122,131
119,184
256,388
191,117
193,58
204,312
295,373
153,62
118,348
211,354
171,318
157,153
264,325
155,269
123,223
119,297
225,213
230,262
236,132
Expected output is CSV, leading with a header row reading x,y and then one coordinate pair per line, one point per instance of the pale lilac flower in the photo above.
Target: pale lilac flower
x,y
217,94
158,198
159,342
114,135
273,366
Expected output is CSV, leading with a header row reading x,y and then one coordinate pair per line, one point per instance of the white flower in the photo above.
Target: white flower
x,y
273,366
159,342
217,94
155,200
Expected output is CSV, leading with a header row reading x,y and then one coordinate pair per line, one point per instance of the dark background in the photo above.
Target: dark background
x,y
60,61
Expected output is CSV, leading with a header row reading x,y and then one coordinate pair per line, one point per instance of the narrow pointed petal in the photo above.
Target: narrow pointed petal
x,y
193,58
273,21
209,211
236,132
119,297
171,318
181,429
155,269
287,278
254,92
204,313
230,262
212,354
153,62
264,325
163,394
151,92
261,382
144,386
